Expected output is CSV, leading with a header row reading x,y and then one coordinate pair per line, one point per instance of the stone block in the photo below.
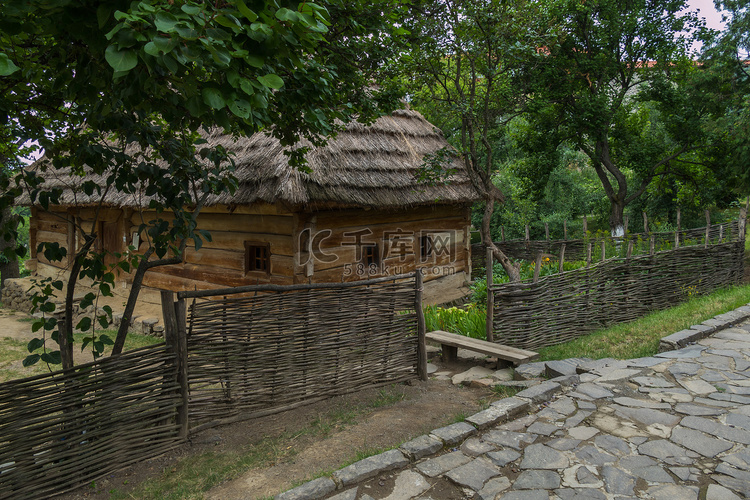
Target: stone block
x,y
312,490
540,393
421,446
370,467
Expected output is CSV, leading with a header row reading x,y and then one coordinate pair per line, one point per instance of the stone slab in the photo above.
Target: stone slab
x,y
370,467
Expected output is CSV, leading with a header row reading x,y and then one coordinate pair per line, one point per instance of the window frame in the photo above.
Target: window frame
x,y
250,258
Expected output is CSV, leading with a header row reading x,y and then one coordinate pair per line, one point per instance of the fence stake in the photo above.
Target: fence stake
x,y
604,250
721,233
562,256
708,228
537,266
565,229
645,222
626,221
180,311
502,232
679,217
421,328
630,249
173,331
588,255
490,335
527,232
546,231
652,245
585,226
743,221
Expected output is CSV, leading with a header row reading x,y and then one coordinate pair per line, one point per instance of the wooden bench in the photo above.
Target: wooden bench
x,y
450,342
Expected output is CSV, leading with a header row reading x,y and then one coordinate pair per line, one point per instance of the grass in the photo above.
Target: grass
x,y
13,351
640,338
194,475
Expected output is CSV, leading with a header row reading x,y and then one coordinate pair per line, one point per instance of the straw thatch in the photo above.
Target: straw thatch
x,y
364,166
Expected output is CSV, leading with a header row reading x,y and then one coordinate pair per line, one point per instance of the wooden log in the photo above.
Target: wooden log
x,y
489,332
421,328
708,228
562,257
537,267
182,367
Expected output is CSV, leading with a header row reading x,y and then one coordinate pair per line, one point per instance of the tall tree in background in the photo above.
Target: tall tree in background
x,y
465,72
123,88
612,57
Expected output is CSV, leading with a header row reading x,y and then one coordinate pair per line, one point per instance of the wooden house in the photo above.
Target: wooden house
x,y
359,213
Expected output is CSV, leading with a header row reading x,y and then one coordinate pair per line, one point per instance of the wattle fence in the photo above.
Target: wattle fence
x,y
242,353
638,279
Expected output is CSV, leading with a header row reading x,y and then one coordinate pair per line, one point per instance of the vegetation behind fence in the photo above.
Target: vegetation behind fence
x,y
251,356
62,430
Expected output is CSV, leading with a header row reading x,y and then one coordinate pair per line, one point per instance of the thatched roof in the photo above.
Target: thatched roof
x,y
364,166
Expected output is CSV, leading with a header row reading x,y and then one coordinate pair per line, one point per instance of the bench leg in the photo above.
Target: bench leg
x,y
450,353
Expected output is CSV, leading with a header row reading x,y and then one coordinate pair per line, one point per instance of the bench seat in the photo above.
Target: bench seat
x,y
450,342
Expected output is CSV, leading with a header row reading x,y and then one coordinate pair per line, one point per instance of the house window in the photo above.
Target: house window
x,y
370,255
426,247
257,257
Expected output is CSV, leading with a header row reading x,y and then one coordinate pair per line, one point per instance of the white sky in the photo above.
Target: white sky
x,y
707,11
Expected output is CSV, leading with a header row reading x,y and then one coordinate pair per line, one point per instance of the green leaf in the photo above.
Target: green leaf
x,y
240,108
150,49
7,67
102,14
103,322
34,344
284,14
165,21
255,61
84,324
121,60
191,10
245,11
30,360
272,81
228,21
52,358
213,98
163,43
106,340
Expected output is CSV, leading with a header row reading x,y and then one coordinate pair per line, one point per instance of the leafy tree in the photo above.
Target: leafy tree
x,y
611,88
122,90
465,73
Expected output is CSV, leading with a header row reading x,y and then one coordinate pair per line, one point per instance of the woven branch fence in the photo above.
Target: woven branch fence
x,y
276,348
237,357
564,306
62,430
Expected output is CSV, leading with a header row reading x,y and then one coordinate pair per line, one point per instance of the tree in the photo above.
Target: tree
x,y
605,87
464,73
122,89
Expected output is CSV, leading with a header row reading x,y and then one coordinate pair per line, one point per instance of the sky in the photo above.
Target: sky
x,y
708,11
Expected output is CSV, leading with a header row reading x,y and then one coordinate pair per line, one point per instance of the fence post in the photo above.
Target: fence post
x,y
562,256
585,226
490,335
174,334
708,228
626,221
537,267
645,222
604,250
743,221
422,342
502,232
565,229
546,231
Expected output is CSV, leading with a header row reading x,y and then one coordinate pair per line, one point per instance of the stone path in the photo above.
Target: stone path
x,y
674,426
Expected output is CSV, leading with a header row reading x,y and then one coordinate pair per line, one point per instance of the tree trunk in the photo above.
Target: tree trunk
x,y
617,217
8,267
512,269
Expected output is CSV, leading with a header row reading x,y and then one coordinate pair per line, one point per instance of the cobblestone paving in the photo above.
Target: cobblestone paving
x,y
674,426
